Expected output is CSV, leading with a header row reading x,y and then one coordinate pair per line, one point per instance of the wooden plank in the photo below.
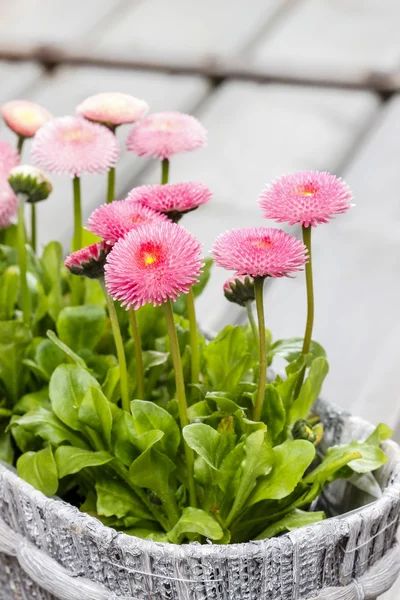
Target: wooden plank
x,y
61,93
356,259
336,34
257,132
177,27
51,21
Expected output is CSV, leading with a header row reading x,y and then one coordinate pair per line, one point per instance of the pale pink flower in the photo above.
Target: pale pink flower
x,y
74,146
162,135
172,199
306,197
113,109
113,221
88,261
8,203
259,252
152,263
9,158
25,117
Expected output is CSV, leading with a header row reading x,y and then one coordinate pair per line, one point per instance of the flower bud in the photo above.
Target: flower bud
x,y
301,430
31,182
239,289
90,261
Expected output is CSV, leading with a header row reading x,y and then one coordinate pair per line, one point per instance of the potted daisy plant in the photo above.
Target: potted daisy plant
x,y
223,477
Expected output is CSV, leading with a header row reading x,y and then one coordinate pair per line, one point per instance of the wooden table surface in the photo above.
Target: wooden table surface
x,y
257,131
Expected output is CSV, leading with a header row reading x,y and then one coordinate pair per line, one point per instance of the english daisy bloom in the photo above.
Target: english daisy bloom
x,y
74,146
259,252
162,135
112,109
88,261
172,199
9,158
113,221
8,204
25,118
152,263
306,197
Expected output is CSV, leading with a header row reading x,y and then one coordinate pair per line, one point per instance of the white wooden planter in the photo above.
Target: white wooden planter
x,y
48,549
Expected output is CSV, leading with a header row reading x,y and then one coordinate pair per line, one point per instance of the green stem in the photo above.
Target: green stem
x,y
25,299
20,144
119,345
262,375
310,307
180,395
111,185
138,354
33,226
194,344
250,314
164,171
77,214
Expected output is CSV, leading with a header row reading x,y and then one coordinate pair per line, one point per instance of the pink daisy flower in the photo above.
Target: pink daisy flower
x,y
25,117
259,252
162,135
9,158
113,221
74,146
172,199
113,109
306,197
8,203
89,261
152,263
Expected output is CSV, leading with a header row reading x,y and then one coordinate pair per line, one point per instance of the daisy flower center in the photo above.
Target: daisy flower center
x,y
168,125
27,115
77,135
150,254
307,190
263,243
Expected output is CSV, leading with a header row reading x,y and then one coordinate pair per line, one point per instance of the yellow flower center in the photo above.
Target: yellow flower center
x,y
261,243
25,115
305,190
168,125
149,258
77,135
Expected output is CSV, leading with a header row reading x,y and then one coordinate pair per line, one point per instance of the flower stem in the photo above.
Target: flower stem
x,y
33,226
77,214
262,375
180,395
111,185
138,354
164,170
194,344
25,299
249,308
20,144
119,345
310,306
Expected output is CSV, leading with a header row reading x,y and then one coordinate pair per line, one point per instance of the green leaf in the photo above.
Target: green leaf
x,y
370,457
14,340
95,412
195,520
72,356
207,442
70,460
32,401
81,326
68,386
116,498
331,465
148,416
273,412
6,446
152,358
152,470
110,386
292,458
291,349
48,357
294,519
381,432
123,434
37,298
258,462
227,359
9,289
51,261
310,390
44,423
40,470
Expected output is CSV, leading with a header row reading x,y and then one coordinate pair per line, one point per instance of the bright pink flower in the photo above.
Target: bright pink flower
x,y
9,158
74,146
8,203
162,135
25,117
306,197
259,252
152,263
172,199
88,261
113,221
113,108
